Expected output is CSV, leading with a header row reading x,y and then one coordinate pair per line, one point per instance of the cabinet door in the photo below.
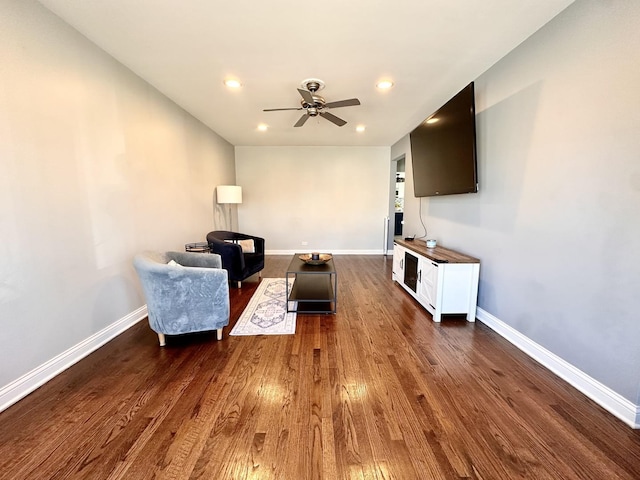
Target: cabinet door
x,y
398,263
411,271
428,283
458,288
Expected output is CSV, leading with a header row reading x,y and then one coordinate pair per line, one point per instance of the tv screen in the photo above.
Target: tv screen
x,y
443,149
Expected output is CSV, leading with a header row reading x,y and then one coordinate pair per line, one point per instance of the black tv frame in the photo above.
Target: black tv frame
x,y
444,153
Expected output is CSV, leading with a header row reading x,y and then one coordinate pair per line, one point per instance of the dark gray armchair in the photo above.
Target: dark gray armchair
x,y
190,295
242,254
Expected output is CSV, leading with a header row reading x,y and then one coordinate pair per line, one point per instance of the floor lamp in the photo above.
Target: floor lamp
x,y
229,194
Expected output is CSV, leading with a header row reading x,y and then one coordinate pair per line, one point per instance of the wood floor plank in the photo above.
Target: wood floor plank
x,y
376,391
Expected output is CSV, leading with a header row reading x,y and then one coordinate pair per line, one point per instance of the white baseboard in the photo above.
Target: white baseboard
x,y
611,401
333,252
23,386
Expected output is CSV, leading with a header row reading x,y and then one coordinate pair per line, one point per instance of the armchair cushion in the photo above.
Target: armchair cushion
x,y
191,296
240,264
247,246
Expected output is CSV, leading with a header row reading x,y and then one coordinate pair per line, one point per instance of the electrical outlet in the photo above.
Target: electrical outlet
x,y
304,244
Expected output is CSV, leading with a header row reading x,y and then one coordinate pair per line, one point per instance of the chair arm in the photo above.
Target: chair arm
x,y
231,253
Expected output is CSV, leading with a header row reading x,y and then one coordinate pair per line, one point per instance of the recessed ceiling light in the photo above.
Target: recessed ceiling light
x,y
232,83
262,127
384,84
360,128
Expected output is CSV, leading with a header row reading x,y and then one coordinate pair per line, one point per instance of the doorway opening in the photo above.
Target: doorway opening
x,y
396,213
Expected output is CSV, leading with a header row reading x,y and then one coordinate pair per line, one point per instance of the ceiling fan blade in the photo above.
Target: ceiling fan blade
x,y
352,102
332,118
301,121
280,109
306,96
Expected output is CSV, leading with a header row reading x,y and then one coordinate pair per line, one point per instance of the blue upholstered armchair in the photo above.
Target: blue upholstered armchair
x,y
189,295
242,254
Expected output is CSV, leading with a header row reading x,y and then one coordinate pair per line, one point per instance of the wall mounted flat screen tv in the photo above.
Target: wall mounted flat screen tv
x,y
443,149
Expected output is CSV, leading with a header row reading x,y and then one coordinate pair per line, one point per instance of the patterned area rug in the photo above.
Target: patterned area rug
x,y
266,313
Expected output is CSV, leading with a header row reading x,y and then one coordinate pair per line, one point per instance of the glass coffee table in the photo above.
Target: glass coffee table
x,y
315,287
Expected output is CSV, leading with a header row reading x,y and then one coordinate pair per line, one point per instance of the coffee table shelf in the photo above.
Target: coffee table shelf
x,y
315,287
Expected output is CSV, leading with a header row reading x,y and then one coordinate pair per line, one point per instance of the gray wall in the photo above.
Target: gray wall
x,y
556,221
95,165
333,198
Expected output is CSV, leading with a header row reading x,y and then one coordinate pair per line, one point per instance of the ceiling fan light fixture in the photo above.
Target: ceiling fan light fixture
x,y
232,83
384,84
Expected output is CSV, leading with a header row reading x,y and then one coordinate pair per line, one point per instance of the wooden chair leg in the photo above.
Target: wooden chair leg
x,y
163,342
219,334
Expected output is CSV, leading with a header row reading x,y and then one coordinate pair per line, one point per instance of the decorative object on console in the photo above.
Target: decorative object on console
x,y
229,195
431,243
241,263
185,292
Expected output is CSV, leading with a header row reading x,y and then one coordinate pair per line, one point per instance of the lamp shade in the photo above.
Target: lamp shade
x,y
229,194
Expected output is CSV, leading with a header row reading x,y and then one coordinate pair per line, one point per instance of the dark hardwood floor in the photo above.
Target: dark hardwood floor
x,y
377,391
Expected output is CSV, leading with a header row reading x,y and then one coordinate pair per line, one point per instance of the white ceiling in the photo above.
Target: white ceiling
x,y
430,49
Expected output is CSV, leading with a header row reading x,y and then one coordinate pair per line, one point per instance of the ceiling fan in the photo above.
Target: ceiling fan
x,y
315,105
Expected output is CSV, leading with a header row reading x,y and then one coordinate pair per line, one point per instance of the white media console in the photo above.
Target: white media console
x,y
443,281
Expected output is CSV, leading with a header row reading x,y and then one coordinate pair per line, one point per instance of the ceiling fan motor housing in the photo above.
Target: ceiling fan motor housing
x,y
313,109
313,87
